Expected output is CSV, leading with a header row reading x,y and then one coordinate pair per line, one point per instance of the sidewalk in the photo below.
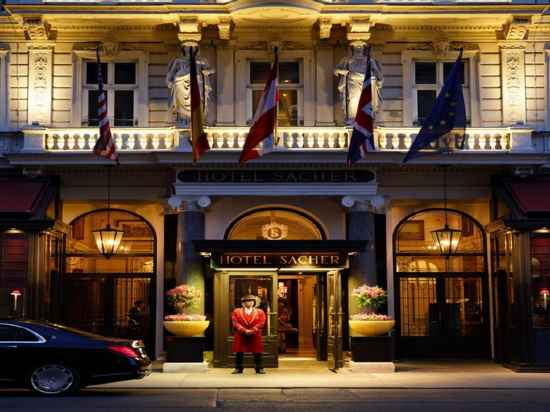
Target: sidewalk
x,y
420,375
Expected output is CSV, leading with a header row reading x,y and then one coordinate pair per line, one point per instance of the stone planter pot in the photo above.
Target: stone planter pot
x,y
186,328
370,327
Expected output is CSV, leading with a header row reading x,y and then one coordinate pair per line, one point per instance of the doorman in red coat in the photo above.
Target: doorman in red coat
x,y
248,323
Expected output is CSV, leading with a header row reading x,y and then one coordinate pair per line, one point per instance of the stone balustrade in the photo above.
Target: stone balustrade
x,y
226,138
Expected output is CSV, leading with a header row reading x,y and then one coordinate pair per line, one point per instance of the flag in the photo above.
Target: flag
x,y
105,146
261,134
199,138
448,116
362,140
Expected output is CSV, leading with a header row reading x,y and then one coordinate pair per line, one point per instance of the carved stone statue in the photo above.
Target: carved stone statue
x,y
351,74
178,80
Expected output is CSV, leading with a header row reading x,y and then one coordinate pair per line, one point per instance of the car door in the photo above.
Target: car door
x,y
8,351
17,346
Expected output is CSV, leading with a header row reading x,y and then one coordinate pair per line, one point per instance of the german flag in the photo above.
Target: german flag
x,y
199,139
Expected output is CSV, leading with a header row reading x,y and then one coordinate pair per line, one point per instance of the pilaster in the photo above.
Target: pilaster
x,y
40,85
513,83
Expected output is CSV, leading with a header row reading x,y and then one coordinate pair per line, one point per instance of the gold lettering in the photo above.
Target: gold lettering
x,y
302,260
283,260
335,260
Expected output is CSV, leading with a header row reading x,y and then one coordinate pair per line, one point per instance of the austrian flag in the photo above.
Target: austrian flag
x,y
261,134
362,140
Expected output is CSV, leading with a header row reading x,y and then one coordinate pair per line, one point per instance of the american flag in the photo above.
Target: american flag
x,y
362,140
105,146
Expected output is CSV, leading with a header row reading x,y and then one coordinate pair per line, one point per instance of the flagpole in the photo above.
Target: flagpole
x,y
276,61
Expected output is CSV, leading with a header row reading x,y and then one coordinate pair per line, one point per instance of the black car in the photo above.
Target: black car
x,y
52,359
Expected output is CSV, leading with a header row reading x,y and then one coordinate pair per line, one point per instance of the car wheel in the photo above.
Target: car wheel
x,y
53,379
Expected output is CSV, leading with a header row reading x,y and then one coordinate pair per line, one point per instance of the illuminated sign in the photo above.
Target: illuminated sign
x,y
283,260
275,176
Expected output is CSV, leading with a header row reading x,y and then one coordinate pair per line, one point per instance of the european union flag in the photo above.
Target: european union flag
x,y
448,114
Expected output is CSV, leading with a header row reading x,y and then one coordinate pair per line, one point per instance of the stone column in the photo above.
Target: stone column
x,y
191,227
360,226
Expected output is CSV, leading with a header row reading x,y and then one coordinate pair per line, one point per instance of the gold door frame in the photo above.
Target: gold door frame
x,y
223,339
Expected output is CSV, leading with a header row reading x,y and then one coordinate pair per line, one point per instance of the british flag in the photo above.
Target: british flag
x,y
262,132
105,146
362,140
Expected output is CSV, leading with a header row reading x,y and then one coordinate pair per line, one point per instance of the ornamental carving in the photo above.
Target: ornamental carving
x,y
36,29
40,86
513,90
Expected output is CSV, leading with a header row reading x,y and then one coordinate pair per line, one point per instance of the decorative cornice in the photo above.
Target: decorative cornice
x,y
36,29
476,28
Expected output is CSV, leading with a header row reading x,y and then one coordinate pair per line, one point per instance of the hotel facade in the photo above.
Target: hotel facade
x,y
298,228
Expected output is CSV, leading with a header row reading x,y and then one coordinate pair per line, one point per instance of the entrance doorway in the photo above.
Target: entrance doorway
x,y
300,314
442,301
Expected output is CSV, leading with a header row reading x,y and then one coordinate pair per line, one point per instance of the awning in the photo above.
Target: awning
x,y
531,196
528,201
21,196
24,203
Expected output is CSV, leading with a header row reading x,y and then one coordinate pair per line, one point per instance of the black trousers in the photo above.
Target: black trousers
x,y
239,361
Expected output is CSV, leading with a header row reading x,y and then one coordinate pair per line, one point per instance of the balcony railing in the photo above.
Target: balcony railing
x,y
316,139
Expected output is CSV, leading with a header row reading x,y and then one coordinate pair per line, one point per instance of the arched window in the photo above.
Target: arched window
x,y
135,254
416,250
275,224
441,301
114,296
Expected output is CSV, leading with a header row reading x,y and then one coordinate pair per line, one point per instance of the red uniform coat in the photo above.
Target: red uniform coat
x,y
242,322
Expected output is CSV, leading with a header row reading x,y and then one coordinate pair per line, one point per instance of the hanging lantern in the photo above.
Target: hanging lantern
x,y
108,240
447,240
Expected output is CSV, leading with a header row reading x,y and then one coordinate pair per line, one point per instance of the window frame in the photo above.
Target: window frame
x,y
40,338
409,58
110,88
306,104
140,88
4,89
299,87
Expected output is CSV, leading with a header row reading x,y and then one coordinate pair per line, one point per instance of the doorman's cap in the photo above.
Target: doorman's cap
x,y
249,297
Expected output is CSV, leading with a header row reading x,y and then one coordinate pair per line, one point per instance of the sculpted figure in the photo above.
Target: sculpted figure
x,y
351,73
179,82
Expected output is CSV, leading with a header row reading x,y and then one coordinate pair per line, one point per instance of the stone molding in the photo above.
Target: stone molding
x,y
40,85
514,109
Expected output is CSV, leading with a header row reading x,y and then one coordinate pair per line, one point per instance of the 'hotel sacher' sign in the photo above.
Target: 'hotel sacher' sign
x,y
275,176
282,260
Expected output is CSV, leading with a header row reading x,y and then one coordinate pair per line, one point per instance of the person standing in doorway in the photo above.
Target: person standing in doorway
x,y
137,320
248,322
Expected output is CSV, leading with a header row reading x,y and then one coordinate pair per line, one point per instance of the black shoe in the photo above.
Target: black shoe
x,y
260,371
237,371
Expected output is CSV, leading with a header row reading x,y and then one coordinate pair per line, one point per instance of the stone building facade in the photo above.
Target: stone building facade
x,y
178,217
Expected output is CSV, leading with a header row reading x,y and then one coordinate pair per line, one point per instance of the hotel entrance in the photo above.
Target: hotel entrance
x,y
300,292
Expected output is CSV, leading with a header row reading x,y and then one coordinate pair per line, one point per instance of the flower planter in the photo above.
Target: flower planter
x,y
186,328
370,327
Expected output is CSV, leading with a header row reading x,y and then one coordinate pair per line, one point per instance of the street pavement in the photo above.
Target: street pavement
x,y
265,400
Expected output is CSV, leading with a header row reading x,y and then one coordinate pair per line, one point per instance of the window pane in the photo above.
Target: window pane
x,y
259,72
125,73
8,333
289,72
288,108
93,119
424,73
91,72
426,100
447,70
124,108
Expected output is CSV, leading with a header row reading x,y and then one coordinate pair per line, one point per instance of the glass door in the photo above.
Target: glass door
x,y
320,317
335,319
229,288
441,316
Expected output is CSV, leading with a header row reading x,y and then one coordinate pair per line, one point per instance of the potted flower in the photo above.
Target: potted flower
x,y
368,322
182,298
